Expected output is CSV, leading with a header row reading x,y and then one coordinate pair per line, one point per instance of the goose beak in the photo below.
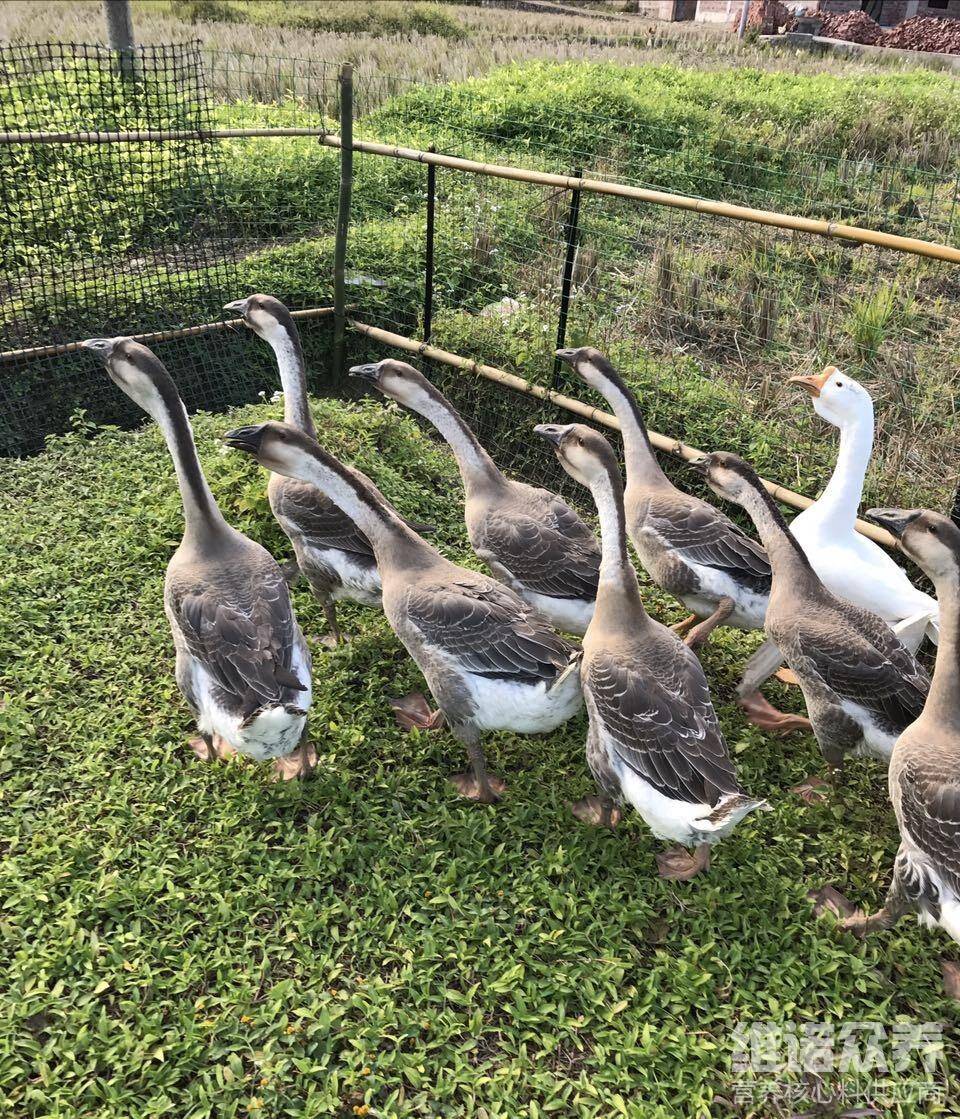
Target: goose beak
x,y
813,385
567,355
101,348
370,372
893,520
553,433
246,439
238,305
699,464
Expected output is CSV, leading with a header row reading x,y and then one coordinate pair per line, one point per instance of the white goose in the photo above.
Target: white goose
x,y
849,564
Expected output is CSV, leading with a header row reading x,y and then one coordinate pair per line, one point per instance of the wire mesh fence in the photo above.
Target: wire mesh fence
x,y
99,239
705,314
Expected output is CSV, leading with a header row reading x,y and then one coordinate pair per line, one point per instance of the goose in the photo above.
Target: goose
x,y
861,685
654,740
689,548
527,536
924,774
849,563
241,661
490,660
331,552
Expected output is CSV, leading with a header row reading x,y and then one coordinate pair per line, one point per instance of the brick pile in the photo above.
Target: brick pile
x,y
767,17
855,27
925,33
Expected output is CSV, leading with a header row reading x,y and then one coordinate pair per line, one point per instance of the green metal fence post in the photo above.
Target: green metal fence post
x,y
343,220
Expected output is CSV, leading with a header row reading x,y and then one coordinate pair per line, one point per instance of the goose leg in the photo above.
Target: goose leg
x,y
300,763
413,710
211,747
678,864
334,637
761,666
894,907
599,812
680,628
700,634
476,784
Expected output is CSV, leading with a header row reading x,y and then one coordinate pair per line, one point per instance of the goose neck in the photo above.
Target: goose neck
x,y
293,379
841,498
477,468
788,561
201,513
618,584
942,702
642,465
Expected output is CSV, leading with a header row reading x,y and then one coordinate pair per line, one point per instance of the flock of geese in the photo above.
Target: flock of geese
x,y
834,606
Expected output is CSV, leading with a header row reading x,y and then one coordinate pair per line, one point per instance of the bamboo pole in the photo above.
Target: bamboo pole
x,y
587,411
155,335
932,249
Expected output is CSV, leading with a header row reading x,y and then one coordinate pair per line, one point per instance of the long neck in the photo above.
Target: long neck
x,y
378,520
476,466
293,378
639,456
841,499
200,510
943,702
787,558
618,587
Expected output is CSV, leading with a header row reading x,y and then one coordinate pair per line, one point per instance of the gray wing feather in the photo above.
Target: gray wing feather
x,y
662,724
930,807
489,629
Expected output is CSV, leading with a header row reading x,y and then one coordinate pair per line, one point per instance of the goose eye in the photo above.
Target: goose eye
x,y
839,384
580,440
932,529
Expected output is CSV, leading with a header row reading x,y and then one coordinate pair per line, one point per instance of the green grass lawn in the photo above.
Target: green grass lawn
x,y
189,940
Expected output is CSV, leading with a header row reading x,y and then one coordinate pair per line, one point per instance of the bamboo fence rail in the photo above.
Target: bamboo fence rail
x,y
587,411
154,335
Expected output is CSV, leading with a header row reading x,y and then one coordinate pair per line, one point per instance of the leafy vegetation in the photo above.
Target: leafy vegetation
x,y
189,939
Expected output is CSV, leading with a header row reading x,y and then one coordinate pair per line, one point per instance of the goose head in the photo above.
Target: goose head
x,y
584,453
728,475
930,539
837,398
280,447
589,365
398,381
265,316
135,370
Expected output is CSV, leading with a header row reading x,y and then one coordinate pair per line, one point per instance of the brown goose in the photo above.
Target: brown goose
x,y
491,661
925,766
861,685
242,663
528,537
331,552
689,548
654,739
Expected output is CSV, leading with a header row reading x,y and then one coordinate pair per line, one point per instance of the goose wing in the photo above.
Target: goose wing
x,y
660,720
544,545
864,662
488,629
243,631
324,524
930,808
705,536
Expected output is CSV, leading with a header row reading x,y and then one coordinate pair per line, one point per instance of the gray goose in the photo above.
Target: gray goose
x,y
242,663
331,552
528,537
861,685
654,740
924,772
689,548
490,660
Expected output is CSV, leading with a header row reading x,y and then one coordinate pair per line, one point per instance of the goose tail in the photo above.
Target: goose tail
x,y
728,812
573,665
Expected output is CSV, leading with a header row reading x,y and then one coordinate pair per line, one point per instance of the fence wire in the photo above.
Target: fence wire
x,y
105,239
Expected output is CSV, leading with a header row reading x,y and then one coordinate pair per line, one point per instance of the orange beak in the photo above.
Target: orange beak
x,y
813,385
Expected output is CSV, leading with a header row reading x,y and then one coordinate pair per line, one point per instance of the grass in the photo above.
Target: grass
x,y
192,940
